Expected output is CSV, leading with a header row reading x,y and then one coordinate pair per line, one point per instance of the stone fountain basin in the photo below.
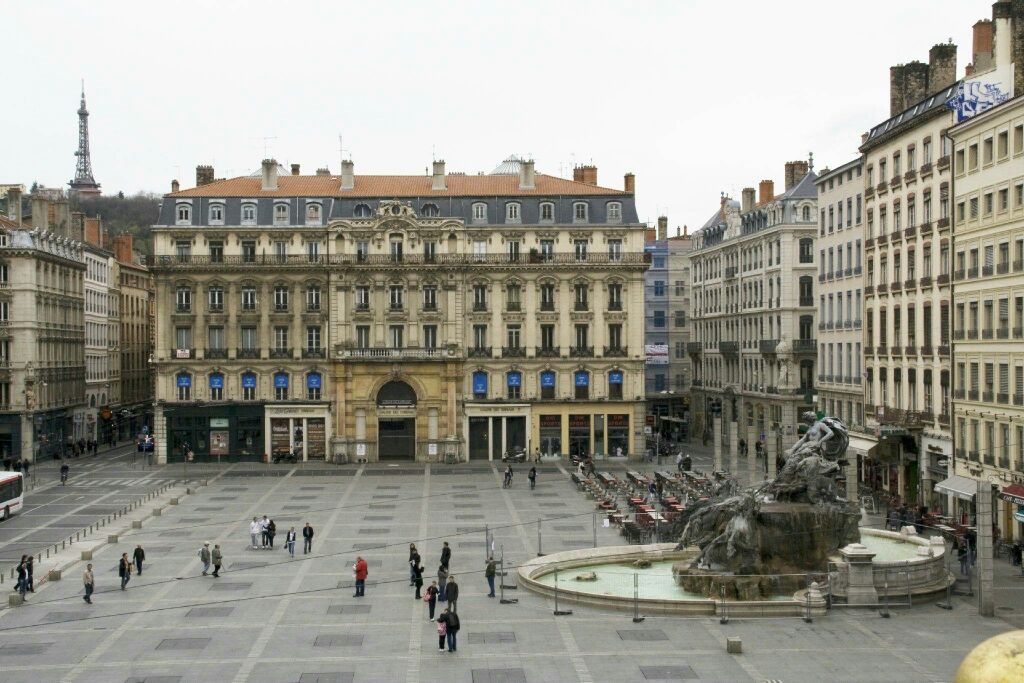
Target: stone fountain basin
x,y
921,571
535,576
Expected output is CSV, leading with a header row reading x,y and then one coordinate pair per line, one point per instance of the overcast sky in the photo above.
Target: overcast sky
x,y
695,97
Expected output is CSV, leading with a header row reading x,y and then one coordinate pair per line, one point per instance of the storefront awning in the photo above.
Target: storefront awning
x,y
1014,493
666,418
959,487
861,445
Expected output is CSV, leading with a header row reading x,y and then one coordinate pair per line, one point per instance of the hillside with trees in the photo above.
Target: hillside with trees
x,y
124,215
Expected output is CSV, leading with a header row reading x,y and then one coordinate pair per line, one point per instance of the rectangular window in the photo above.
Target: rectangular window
x,y
547,337
281,338
249,251
580,249
216,299
362,251
313,298
216,252
362,298
395,297
249,339
280,298
313,338
513,336
183,337
430,336
615,250
313,252
479,337
363,336
396,333
215,338
430,298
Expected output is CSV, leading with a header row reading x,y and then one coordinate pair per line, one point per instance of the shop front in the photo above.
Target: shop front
x,y
231,432
296,429
599,430
936,454
1011,519
495,429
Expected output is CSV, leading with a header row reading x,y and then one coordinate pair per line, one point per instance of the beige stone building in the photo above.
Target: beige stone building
x,y
444,316
988,305
840,298
135,345
753,345
42,364
680,282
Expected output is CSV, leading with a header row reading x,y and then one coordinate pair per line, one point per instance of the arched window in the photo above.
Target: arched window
x,y
248,386
280,386
313,214
615,382
184,214
614,212
248,214
216,386
548,384
580,212
280,214
581,381
479,384
430,211
480,212
547,212
314,383
183,381
514,384
217,214
513,212
362,211
807,214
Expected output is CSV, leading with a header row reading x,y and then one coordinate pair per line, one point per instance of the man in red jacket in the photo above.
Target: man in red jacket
x,y
360,569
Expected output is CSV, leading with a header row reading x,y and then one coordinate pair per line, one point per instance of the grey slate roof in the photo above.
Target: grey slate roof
x,y
805,189
716,217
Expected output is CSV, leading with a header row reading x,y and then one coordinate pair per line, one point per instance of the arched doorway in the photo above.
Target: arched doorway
x,y
396,421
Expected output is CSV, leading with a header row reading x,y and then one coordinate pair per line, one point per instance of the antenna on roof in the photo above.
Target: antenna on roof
x,y
266,144
433,153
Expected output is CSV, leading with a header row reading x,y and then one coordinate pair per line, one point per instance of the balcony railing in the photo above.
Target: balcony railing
x,y
161,261
806,301
547,305
393,354
943,279
549,352
614,305
804,345
183,354
926,228
615,351
513,306
926,281
580,306
910,232
729,347
215,353
768,346
694,347
513,352
581,351
313,352
944,350
479,306
247,353
943,163
479,352
280,353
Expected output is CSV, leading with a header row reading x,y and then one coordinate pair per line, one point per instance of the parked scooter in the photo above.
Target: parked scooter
x,y
514,455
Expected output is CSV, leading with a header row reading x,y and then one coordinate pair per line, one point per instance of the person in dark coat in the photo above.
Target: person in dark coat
x,y
139,556
307,539
414,561
124,570
532,476
417,580
432,592
22,585
452,592
446,555
451,622
442,583
29,567
271,532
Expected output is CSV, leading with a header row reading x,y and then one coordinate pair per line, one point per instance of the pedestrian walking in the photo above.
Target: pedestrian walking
x,y
218,559
963,554
31,566
139,556
442,583
307,539
271,532
489,572
64,470
264,524
508,477
442,630
90,583
360,570
679,461
414,561
22,585
687,463
254,532
532,476
451,628
452,592
417,580
430,597
289,541
124,570
204,557
446,555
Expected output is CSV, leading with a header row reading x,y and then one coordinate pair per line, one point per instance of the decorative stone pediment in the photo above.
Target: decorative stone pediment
x,y
395,207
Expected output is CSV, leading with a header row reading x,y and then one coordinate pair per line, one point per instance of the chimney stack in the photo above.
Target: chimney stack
x,y
795,172
527,175
629,183
94,232
585,174
323,171
1003,40
348,179
679,231
77,226
686,230
14,204
175,186
295,169
748,199
941,67
123,247
908,85
981,48
765,191
204,175
40,212
437,181
269,175
662,227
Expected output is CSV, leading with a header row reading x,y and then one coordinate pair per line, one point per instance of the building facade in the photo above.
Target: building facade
x,y
988,306
754,348
42,361
657,378
679,278
135,345
840,297
431,317
101,378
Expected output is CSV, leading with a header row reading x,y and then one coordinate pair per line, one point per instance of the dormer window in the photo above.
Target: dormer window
x,y
248,214
430,211
216,214
547,212
614,212
313,214
579,212
280,214
184,212
361,211
479,212
512,214
807,214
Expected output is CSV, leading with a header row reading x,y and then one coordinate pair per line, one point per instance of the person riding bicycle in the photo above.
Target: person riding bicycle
x,y
64,469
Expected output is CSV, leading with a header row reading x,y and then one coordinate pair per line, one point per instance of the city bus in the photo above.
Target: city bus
x,y
12,489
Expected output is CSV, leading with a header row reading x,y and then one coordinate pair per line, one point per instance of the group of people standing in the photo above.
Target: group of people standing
x,y
444,589
262,532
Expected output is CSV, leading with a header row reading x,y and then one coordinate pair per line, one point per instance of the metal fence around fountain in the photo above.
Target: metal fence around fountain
x,y
893,582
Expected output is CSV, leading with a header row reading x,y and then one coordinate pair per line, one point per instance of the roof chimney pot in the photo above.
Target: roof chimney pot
x,y
269,175
527,175
437,181
348,179
204,175
175,186
765,191
295,169
14,204
748,199
629,183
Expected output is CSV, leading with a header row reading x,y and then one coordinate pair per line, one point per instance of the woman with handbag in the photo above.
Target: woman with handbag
x,y
430,597
417,579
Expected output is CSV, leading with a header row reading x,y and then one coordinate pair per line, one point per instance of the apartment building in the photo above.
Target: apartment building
x,y
437,317
135,345
679,278
753,346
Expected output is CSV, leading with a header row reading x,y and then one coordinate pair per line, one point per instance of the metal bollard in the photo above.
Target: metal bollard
x,y
724,619
595,529
558,612
636,599
884,613
539,552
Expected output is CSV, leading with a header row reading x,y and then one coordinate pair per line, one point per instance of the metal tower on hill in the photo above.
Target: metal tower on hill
x,y
84,183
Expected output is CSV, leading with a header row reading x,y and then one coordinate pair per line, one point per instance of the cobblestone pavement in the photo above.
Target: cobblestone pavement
x,y
271,618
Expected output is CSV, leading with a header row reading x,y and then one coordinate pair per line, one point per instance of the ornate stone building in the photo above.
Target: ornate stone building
x,y
444,316
752,345
135,344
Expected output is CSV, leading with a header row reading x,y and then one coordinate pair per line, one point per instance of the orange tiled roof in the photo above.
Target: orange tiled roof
x,y
394,186
7,223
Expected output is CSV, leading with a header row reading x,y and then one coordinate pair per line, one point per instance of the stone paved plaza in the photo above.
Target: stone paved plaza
x,y
273,619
